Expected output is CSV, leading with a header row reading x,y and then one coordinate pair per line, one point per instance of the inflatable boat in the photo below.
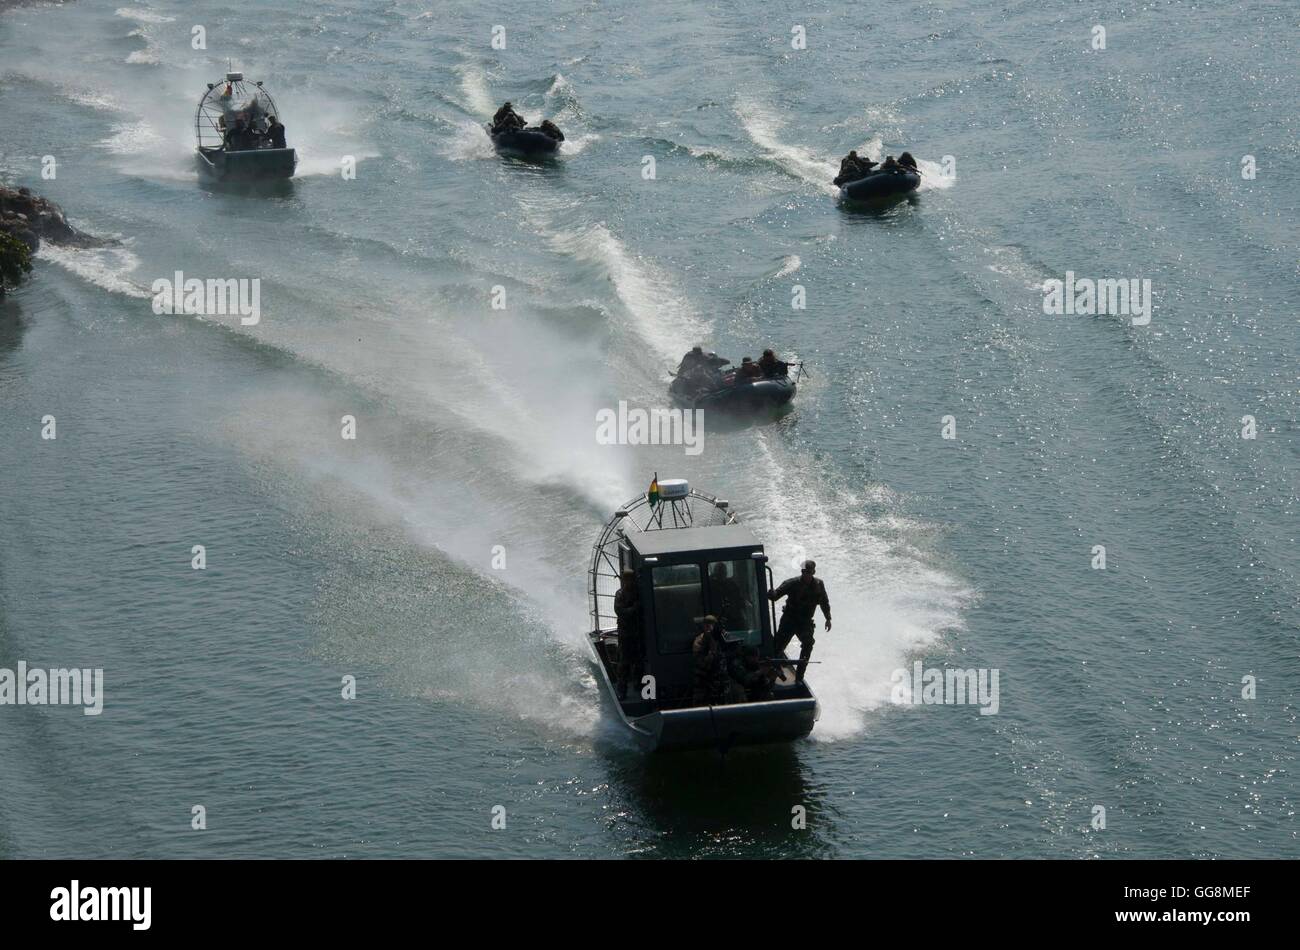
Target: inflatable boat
x,y
529,143
879,185
736,397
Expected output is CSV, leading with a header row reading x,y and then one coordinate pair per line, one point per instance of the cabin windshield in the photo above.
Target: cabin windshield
x,y
733,597
679,604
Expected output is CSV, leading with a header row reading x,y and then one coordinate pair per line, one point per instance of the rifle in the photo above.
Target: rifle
x,y
801,372
774,667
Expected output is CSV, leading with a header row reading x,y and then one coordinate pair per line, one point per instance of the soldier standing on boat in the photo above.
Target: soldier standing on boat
x,y
806,593
631,639
275,132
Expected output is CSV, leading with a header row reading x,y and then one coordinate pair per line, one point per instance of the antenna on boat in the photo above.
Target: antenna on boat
x,y
673,496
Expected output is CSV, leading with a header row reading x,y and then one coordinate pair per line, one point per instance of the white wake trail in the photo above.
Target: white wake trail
x,y
886,601
762,126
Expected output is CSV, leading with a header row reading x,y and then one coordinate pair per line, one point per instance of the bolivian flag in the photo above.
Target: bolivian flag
x,y
652,495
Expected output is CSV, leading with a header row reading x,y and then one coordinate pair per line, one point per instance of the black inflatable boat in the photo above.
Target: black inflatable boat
x,y
879,185
530,143
738,397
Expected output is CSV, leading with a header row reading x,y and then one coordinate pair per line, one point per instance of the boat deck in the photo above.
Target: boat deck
x,y
670,698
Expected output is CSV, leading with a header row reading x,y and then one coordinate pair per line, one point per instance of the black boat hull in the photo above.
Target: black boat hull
x,y
881,185
726,727
255,164
758,396
529,143
789,715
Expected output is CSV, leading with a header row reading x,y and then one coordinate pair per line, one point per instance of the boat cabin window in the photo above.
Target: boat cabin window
x,y
733,597
679,603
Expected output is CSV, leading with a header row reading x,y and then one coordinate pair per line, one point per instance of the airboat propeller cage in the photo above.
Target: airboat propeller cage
x,y
217,111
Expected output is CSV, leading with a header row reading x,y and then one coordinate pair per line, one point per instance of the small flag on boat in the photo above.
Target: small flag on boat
x,y
652,495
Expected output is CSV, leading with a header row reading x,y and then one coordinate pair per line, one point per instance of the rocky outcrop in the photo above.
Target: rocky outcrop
x,y
32,219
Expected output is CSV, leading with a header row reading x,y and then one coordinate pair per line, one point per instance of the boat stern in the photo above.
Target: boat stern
x,y
725,727
251,165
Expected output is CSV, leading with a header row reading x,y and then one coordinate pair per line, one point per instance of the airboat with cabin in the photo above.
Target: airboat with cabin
x,y
236,139
691,557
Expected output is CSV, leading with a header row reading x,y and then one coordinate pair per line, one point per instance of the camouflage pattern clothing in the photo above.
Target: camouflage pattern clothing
x,y
713,683
631,638
804,594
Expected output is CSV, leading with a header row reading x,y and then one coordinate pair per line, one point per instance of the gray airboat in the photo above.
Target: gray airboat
x,y
686,550
230,126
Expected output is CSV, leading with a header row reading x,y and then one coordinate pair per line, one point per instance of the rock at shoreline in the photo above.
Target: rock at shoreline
x,y
31,219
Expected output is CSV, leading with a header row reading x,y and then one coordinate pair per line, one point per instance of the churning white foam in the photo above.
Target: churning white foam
x,y
145,57
476,97
512,671
886,601
105,267
663,317
789,265
574,144
561,87
468,142
933,177
331,163
873,148
132,138
762,126
143,15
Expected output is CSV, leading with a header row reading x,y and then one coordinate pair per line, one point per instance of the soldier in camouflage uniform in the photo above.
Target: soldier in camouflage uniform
x,y
507,119
806,593
713,684
631,637
754,676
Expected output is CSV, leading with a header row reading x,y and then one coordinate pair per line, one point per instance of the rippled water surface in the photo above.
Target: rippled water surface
x,y
1120,688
